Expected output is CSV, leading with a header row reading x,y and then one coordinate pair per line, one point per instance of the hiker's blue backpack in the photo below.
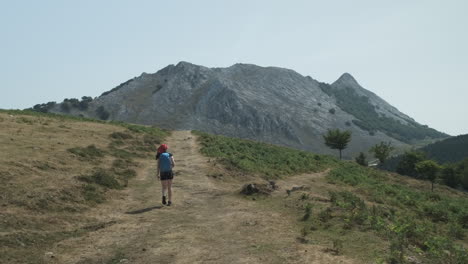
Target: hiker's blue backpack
x,y
165,161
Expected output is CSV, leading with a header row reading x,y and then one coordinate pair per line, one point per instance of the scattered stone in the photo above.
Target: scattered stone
x,y
123,261
297,188
273,185
413,260
250,223
260,188
49,255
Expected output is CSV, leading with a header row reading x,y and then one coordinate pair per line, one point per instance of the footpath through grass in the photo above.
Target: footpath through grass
x,y
368,209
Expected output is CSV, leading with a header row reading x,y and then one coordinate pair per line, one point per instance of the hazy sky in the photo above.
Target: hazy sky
x,y
413,54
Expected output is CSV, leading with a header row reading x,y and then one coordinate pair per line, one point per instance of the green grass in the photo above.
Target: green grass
x,y
88,153
412,220
269,161
391,220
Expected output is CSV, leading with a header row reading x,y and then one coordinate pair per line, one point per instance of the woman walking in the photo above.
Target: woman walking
x,y
165,174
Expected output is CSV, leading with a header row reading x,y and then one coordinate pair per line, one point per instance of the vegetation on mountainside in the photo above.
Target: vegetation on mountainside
x,y
382,151
118,87
361,159
454,174
368,118
452,149
269,161
369,214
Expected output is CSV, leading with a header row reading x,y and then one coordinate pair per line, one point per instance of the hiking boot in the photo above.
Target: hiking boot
x,y
164,200
169,203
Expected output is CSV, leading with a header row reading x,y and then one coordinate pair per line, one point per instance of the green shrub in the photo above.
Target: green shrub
x,y
325,215
120,135
102,113
308,212
91,193
102,178
122,153
90,152
456,231
123,163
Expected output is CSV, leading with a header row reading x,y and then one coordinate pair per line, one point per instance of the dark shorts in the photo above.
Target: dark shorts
x,y
166,175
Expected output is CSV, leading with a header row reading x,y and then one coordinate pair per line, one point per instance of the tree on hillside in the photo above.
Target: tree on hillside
x,y
337,139
462,173
449,175
102,113
407,164
361,159
382,151
428,169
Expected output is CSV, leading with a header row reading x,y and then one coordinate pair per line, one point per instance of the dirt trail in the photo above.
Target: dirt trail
x,y
206,224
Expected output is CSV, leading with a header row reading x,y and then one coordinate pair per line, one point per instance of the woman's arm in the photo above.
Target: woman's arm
x,y
158,168
172,161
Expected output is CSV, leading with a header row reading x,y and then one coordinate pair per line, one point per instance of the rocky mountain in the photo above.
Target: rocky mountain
x,y
267,104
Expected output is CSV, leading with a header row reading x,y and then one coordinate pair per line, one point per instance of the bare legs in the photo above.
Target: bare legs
x,y
167,189
164,187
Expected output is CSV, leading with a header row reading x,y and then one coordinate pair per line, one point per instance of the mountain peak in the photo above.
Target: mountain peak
x,y
346,79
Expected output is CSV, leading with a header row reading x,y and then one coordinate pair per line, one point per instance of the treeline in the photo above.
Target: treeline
x,y
452,149
369,120
454,175
68,104
82,105
65,106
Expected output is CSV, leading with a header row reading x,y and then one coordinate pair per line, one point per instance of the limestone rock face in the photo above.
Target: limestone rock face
x,y
267,104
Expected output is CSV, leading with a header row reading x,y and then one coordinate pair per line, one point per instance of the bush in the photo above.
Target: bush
x,y
92,193
361,159
91,152
102,113
308,212
120,135
102,178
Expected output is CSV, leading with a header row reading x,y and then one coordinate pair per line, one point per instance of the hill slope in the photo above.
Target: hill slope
x,y
56,209
267,104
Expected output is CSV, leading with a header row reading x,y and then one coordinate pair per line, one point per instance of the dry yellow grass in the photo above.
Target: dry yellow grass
x,y
41,199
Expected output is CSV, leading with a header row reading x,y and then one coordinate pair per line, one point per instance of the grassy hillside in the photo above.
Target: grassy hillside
x,y
54,170
266,160
58,173
361,212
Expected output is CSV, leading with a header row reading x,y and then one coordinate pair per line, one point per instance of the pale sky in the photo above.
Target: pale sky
x,y
413,54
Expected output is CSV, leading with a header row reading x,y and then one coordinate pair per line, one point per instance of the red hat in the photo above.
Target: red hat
x,y
162,148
